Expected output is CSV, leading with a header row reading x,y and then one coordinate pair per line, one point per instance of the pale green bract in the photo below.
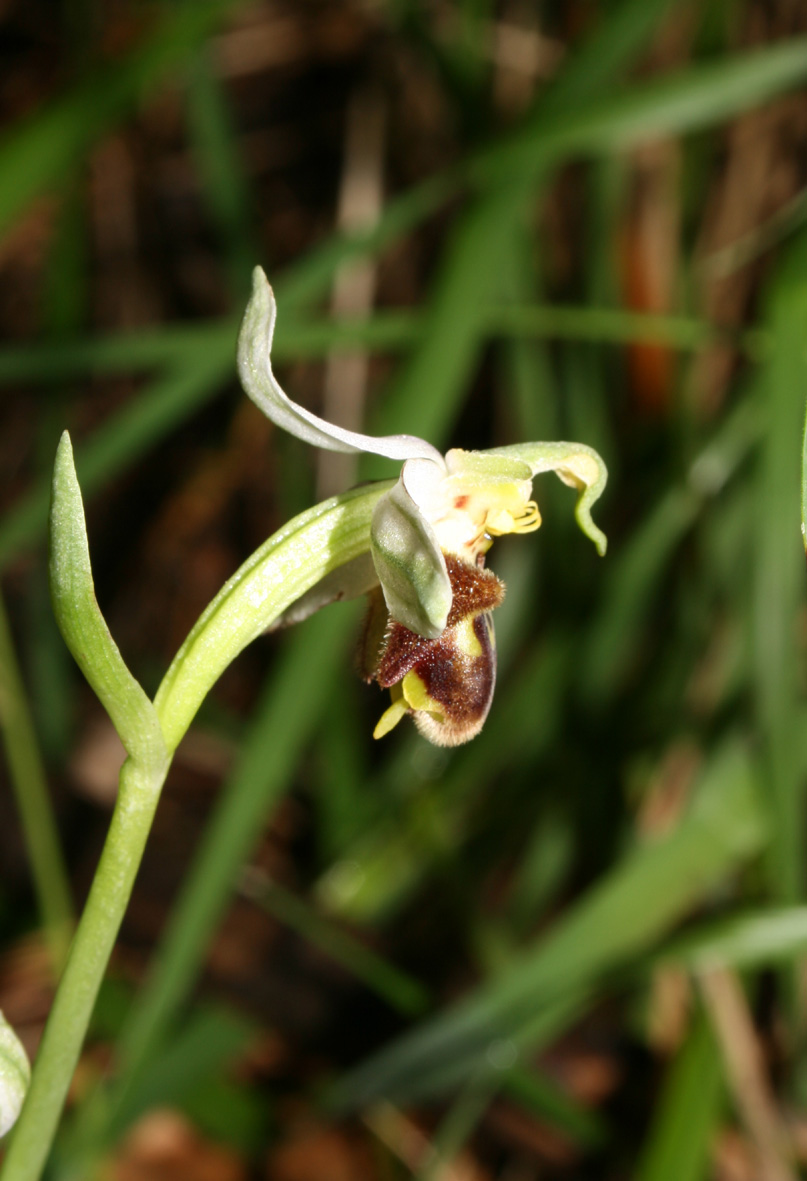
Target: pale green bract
x,y
15,1074
453,504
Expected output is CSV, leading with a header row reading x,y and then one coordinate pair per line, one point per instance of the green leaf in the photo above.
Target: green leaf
x,y
282,570
83,626
679,1143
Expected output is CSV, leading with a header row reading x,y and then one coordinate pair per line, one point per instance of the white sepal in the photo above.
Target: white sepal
x,y
257,378
407,556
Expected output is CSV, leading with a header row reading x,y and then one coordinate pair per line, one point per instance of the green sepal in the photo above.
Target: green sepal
x,y
576,465
409,563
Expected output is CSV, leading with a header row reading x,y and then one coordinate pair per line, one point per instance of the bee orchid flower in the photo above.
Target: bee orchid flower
x,y
429,636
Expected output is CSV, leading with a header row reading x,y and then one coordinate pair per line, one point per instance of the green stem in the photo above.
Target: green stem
x,y
284,568
33,803
804,483
280,727
86,964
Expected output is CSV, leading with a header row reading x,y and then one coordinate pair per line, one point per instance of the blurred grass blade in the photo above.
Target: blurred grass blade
x,y
679,1143
804,481
83,626
622,915
123,438
283,722
779,586
29,783
383,332
403,992
755,940
211,1040
119,352
606,325
221,170
542,1098
458,1124
37,153
630,591
635,574
698,97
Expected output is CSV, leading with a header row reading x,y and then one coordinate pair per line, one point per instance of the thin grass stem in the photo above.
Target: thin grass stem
x,y
29,784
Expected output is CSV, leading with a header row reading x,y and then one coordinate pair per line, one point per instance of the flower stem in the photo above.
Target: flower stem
x,y
313,545
84,971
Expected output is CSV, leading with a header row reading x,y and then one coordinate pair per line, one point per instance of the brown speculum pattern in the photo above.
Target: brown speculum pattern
x,y
446,684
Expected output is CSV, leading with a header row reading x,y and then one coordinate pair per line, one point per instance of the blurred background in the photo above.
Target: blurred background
x,y
575,947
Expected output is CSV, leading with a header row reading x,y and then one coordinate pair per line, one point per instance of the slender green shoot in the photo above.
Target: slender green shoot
x,y
29,782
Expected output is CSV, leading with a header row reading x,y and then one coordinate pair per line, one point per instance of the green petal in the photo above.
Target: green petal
x,y
574,463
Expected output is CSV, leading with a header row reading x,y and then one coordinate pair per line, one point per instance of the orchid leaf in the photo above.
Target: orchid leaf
x,y
284,569
83,626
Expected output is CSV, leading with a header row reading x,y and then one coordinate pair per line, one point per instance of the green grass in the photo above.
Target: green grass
x,y
504,901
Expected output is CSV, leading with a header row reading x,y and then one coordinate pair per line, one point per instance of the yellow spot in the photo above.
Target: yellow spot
x,y
466,638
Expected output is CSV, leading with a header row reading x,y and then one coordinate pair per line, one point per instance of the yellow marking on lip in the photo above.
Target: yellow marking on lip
x,y
418,698
466,638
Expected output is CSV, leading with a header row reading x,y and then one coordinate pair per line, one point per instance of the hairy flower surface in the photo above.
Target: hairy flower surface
x,y
429,637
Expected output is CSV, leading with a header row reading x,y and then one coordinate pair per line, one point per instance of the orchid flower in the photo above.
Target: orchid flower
x,y
415,545
429,637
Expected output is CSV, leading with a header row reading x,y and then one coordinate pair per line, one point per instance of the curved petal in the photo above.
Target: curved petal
x,y
408,560
574,463
257,378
